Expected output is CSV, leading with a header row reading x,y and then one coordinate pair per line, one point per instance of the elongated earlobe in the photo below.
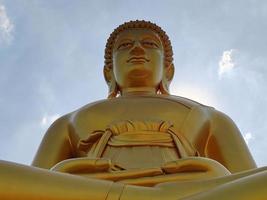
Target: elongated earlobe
x,y
112,85
163,88
169,72
166,79
113,89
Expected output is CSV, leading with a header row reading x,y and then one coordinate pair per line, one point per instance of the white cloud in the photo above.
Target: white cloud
x,y
226,64
248,136
6,26
47,120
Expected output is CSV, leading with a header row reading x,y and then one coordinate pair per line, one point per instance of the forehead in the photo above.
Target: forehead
x,y
138,33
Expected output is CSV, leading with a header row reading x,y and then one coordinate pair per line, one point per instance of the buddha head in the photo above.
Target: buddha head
x,y
138,56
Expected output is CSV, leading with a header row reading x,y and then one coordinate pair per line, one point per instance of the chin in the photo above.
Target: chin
x,y
139,73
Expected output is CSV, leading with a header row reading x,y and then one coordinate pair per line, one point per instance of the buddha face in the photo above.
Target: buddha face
x,y
138,59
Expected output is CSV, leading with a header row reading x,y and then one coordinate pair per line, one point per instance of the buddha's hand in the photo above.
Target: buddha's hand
x,y
201,165
83,165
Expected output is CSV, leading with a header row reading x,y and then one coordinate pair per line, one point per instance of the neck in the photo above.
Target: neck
x,y
135,91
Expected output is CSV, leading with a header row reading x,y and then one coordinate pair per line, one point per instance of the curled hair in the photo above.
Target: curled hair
x,y
168,53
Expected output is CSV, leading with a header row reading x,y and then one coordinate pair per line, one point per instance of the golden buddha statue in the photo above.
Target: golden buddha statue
x,y
141,142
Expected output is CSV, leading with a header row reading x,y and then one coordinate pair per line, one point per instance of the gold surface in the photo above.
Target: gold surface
x,y
141,142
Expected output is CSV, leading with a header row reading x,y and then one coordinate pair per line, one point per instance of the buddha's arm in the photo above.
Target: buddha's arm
x,y
22,182
55,146
226,144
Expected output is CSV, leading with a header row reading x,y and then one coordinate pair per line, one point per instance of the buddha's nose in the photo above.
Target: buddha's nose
x,y
137,50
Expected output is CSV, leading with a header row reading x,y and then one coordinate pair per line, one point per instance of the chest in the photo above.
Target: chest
x,y
101,115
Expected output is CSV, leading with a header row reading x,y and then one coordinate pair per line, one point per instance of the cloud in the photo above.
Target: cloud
x,y
226,64
47,120
248,136
6,26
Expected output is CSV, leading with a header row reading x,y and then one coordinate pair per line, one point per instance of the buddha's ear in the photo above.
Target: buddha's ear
x,y
108,73
112,85
166,79
169,72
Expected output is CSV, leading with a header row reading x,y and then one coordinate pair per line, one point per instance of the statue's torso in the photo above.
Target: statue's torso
x,y
98,115
150,110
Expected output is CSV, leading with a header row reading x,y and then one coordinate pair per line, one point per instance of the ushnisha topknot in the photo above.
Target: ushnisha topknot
x,y
168,53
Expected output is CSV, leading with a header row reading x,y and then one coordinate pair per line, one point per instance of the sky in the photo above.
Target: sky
x,y
51,61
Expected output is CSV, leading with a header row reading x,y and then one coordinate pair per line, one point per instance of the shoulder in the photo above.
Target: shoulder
x,y
221,122
204,114
193,105
90,107
62,125
59,127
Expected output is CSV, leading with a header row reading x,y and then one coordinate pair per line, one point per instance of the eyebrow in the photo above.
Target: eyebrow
x,y
152,37
146,36
124,39
118,43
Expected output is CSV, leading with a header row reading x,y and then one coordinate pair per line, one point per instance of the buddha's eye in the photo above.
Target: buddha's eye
x,y
150,44
125,45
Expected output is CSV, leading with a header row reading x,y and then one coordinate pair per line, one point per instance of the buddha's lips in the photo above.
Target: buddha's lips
x,y
138,59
